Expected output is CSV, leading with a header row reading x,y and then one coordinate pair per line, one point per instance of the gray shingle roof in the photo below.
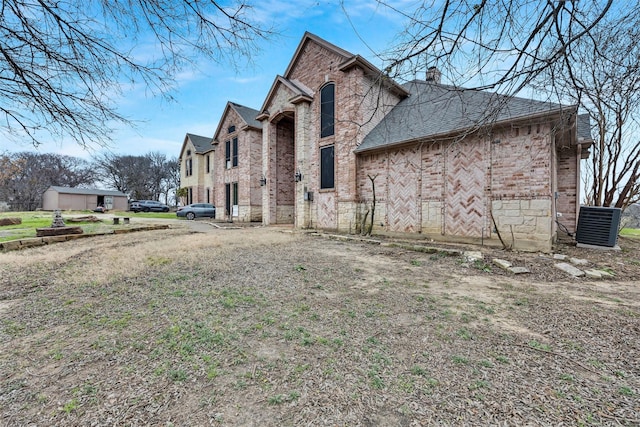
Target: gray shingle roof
x,y
201,143
584,127
434,110
90,191
248,115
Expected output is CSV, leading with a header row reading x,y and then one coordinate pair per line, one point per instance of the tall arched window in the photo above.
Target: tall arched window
x,y
327,110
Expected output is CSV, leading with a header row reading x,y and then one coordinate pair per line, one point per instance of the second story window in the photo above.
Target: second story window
x,y
327,167
327,110
231,153
188,167
234,154
208,164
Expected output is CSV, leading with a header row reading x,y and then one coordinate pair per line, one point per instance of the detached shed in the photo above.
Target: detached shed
x,y
66,198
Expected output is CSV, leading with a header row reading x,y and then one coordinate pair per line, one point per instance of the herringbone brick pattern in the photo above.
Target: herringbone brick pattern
x,y
465,202
403,211
327,215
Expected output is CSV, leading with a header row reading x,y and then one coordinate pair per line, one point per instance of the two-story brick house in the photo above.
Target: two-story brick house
x,y
196,168
238,164
314,117
446,162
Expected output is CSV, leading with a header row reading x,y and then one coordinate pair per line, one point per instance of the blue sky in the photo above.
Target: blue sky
x,y
201,95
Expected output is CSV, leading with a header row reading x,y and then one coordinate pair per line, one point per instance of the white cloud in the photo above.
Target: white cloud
x,y
245,80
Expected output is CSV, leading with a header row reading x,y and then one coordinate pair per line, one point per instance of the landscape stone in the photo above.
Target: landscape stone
x,y
519,270
58,222
578,261
28,243
10,221
559,257
504,264
606,273
593,274
58,231
11,245
570,269
472,256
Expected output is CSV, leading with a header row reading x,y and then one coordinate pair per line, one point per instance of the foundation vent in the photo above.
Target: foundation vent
x,y
598,226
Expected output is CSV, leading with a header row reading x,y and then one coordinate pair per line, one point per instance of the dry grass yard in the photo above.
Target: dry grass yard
x,y
260,327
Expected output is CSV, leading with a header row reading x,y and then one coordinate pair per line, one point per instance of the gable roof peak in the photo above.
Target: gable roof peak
x,y
307,37
201,144
247,115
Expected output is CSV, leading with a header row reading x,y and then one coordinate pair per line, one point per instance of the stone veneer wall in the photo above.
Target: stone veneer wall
x,y
432,219
284,214
524,224
249,213
191,181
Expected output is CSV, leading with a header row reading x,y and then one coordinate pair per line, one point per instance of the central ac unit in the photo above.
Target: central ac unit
x,y
598,226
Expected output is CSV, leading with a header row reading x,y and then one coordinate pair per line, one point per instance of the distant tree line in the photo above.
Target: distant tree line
x,y
25,176
148,177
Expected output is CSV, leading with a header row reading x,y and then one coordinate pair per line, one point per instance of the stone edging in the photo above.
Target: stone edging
x,y
15,245
471,256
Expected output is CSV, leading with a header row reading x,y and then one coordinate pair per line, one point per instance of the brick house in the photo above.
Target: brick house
x,y
196,168
314,117
448,163
468,165
238,164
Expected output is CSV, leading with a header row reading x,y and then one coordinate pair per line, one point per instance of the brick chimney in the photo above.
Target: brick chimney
x,y
433,75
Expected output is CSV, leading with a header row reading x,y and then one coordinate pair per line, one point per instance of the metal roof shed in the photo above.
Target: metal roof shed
x,y
66,198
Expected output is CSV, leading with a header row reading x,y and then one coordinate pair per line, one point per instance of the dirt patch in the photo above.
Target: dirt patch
x,y
262,327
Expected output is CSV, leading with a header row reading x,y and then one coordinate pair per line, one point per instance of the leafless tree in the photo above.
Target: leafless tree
x,y
32,173
64,64
172,183
9,166
163,176
607,86
492,44
631,217
140,177
574,52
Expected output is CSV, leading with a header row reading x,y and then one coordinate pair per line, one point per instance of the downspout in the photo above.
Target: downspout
x,y
385,223
420,189
554,187
578,189
443,195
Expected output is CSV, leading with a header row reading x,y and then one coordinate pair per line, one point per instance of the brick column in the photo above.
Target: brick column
x,y
268,202
303,157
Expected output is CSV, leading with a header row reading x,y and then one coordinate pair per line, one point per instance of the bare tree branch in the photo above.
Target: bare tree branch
x,y
28,175
64,65
470,40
